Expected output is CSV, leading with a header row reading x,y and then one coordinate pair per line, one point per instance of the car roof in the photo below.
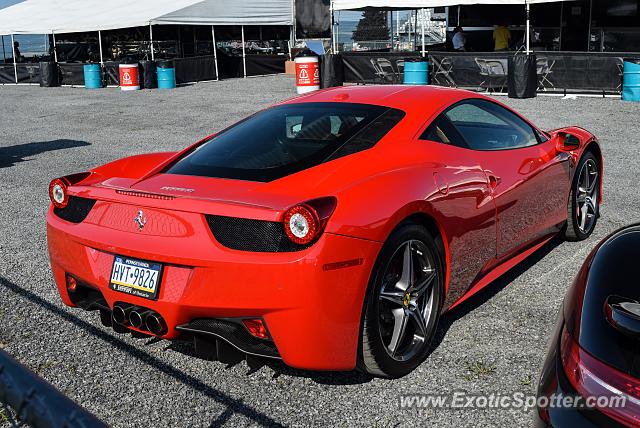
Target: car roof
x,y
402,97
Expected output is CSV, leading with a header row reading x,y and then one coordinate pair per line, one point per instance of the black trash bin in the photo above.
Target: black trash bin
x,y
523,76
149,77
49,74
331,71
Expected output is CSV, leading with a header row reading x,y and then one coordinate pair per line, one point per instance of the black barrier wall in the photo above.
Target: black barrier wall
x,y
194,69
488,71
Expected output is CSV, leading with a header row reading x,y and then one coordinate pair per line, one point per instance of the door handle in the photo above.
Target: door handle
x,y
493,180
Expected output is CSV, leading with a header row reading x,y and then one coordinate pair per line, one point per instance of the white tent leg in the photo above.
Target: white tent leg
x,y
100,43
391,27
422,19
15,65
55,50
528,34
215,51
244,58
333,28
153,55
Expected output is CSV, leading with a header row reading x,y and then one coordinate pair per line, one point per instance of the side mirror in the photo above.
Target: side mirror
x,y
567,142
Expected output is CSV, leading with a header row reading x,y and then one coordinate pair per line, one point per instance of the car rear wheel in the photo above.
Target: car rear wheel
x,y
583,209
403,303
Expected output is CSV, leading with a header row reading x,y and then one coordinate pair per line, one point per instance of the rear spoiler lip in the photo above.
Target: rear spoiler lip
x,y
191,204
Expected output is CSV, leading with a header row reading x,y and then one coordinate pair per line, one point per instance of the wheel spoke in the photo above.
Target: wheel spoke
x,y
583,216
392,296
420,288
399,328
594,181
406,279
417,318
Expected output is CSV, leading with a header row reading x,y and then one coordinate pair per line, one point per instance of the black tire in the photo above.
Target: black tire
x,y
573,230
375,356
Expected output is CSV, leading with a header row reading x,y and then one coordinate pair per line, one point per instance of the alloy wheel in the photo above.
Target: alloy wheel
x,y
406,300
587,196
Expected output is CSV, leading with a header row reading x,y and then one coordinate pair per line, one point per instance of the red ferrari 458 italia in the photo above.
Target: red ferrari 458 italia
x,y
329,231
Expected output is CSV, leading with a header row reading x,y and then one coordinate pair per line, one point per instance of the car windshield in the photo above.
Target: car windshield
x,y
286,139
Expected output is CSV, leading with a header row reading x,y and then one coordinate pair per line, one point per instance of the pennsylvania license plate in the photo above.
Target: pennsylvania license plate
x,y
136,277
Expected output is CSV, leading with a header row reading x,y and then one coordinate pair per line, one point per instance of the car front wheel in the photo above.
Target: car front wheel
x,y
583,207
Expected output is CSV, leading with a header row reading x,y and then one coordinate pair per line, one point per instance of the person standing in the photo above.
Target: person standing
x,y
16,49
501,38
459,40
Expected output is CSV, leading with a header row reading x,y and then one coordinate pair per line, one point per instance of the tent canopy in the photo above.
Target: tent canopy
x,y
419,4
72,16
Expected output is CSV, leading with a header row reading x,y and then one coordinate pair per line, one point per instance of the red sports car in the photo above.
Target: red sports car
x,y
329,231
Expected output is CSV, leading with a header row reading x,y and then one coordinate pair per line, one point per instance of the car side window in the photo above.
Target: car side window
x,y
442,130
487,126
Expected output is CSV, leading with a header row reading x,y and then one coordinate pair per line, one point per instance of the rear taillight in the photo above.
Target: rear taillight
x,y
592,378
305,222
58,188
58,193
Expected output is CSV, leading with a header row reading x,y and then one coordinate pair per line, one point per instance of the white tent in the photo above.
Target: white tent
x,y
72,16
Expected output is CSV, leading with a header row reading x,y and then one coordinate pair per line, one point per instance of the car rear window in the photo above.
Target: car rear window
x,y
286,139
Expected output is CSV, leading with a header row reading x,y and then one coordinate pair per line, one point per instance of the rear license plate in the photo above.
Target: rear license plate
x,y
136,277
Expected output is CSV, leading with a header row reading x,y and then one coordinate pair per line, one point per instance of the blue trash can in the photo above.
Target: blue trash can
x,y
416,72
92,76
166,74
631,81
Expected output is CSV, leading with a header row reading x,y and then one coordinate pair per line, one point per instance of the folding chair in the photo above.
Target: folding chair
x,y
544,69
492,71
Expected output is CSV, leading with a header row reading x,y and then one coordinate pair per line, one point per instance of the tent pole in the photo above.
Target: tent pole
x,y
415,30
528,35
244,56
153,55
292,40
4,55
215,53
55,50
391,25
422,19
15,65
100,43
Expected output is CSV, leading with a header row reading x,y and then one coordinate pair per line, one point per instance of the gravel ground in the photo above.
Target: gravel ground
x,y
494,343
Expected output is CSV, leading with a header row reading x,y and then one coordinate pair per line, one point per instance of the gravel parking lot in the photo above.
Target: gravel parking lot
x,y
494,343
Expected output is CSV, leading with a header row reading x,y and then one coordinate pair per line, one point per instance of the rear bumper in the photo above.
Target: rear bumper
x,y
312,313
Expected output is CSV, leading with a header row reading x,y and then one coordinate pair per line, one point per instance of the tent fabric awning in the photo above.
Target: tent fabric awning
x,y
216,12
419,4
72,16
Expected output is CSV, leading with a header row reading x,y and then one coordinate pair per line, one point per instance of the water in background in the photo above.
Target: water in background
x,y
30,44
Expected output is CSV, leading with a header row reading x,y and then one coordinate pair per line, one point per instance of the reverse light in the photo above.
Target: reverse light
x,y
256,327
593,378
72,284
58,193
304,222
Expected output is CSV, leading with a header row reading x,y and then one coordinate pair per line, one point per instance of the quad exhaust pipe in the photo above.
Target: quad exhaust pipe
x,y
140,318
155,323
137,317
121,313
